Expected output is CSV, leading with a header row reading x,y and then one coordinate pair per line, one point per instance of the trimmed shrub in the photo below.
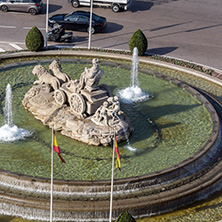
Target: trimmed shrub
x,y
34,40
125,217
138,39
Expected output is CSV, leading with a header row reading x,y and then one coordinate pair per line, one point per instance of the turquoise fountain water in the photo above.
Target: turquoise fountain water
x,y
176,112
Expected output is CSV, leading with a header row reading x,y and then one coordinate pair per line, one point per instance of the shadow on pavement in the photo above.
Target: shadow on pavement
x,y
140,6
161,50
112,27
79,39
52,8
170,26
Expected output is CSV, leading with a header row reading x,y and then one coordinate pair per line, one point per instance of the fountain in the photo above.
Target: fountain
x,y
134,93
8,106
171,166
10,132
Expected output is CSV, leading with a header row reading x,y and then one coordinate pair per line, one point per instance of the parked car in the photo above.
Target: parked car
x,y
31,6
79,20
116,5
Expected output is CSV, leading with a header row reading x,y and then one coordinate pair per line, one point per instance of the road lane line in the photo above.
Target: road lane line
x,y
31,28
5,42
8,27
15,46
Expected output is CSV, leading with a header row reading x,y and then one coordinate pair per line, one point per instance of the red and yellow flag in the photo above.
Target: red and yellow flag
x,y
56,147
118,165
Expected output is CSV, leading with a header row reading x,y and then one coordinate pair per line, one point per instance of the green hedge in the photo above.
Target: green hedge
x,y
34,40
138,40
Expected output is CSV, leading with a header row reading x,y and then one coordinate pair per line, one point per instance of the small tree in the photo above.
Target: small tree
x,y
138,39
125,217
34,40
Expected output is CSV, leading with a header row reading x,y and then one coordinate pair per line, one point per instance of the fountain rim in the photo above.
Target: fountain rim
x,y
115,56
112,55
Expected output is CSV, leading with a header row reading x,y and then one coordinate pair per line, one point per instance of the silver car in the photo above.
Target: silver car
x,y
31,6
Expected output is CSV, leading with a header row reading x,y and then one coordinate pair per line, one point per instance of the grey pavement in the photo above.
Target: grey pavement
x,y
185,29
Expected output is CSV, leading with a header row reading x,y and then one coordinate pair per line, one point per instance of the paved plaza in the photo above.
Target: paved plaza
x,y
185,29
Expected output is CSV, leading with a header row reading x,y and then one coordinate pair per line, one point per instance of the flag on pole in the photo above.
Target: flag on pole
x,y
56,147
118,165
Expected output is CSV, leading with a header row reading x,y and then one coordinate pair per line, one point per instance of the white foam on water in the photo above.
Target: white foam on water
x,y
12,133
133,94
130,148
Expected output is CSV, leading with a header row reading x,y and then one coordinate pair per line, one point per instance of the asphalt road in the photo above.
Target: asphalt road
x,y
185,29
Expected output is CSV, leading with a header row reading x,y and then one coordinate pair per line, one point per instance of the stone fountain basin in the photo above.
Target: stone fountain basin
x,y
144,195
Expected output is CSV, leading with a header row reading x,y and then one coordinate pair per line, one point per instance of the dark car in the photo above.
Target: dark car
x,y
31,6
79,20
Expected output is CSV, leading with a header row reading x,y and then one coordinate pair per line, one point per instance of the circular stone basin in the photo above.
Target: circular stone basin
x,y
168,129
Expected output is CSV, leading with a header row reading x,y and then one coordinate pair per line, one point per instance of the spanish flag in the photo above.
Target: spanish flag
x,y
56,147
118,165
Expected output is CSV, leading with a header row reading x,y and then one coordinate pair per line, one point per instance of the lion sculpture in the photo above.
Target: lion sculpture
x,y
55,68
44,77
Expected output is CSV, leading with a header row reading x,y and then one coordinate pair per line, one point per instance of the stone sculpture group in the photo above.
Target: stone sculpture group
x,y
81,109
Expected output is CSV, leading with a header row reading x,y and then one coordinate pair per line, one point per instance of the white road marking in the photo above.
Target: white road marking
x,y
31,28
4,42
8,27
15,46
2,50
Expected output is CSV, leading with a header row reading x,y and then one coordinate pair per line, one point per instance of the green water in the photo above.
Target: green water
x,y
178,115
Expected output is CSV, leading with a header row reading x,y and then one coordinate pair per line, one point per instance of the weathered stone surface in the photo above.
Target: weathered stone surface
x,y
81,109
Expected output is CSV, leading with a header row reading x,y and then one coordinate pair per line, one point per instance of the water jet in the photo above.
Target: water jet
x,y
134,93
10,132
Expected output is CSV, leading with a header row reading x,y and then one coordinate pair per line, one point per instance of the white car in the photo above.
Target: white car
x,y
116,5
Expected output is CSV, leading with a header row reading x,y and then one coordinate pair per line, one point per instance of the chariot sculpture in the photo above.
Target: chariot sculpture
x,y
88,111
84,96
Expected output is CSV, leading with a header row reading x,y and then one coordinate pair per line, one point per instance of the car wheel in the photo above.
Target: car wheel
x,y
55,25
115,8
75,3
92,30
32,11
4,8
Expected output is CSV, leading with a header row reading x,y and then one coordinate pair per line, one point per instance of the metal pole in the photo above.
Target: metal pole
x,y
46,25
51,196
90,25
111,193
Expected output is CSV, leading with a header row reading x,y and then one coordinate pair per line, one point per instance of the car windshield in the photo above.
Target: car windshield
x,y
67,15
95,17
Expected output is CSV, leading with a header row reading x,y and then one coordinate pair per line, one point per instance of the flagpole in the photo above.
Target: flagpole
x,y
46,25
90,24
111,193
51,196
